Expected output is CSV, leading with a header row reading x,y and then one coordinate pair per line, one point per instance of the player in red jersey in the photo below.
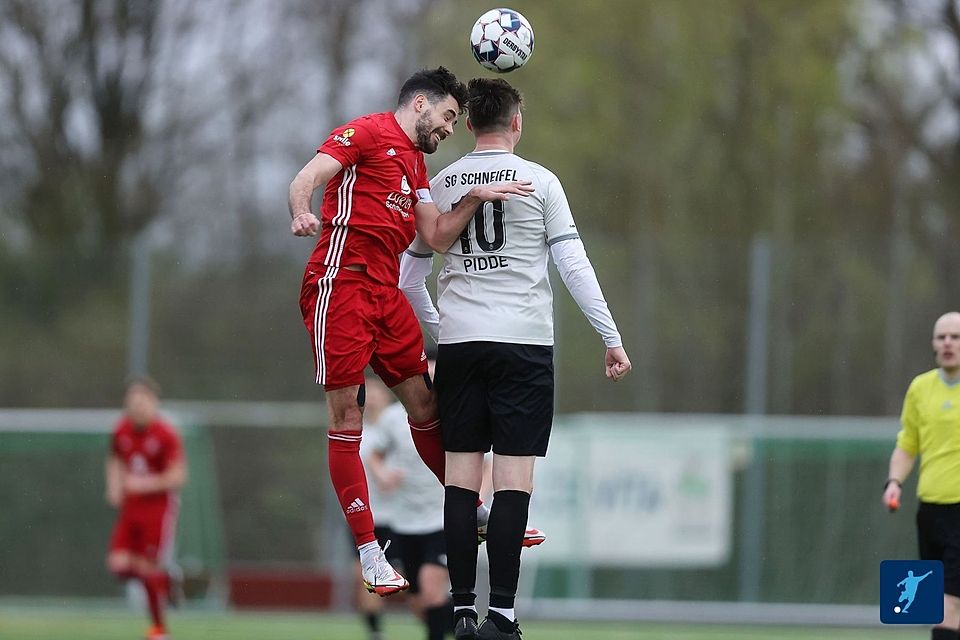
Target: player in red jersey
x,y
377,197
145,469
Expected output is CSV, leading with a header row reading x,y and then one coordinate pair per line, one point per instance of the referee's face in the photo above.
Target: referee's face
x,y
946,342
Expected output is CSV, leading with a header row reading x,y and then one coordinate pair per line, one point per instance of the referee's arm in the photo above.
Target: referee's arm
x,y
901,464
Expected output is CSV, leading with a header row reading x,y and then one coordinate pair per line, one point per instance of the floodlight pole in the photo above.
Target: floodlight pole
x,y
752,513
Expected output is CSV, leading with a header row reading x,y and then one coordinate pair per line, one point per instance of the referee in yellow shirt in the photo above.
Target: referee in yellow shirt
x,y
930,428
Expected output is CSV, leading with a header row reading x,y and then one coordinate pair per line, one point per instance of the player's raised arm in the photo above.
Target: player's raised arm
x,y
314,174
440,231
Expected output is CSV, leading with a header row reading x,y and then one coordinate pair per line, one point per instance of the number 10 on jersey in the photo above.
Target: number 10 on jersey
x,y
480,217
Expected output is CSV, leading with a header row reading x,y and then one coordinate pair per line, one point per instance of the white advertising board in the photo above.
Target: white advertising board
x,y
615,493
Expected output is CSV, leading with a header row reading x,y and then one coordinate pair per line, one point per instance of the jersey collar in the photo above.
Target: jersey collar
x,y
487,152
947,381
396,125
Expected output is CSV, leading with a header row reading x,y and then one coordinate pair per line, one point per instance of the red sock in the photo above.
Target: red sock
x,y
163,583
350,483
428,440
153,583
429,444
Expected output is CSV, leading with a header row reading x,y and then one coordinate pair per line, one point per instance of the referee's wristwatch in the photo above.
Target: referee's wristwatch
x,y
889,480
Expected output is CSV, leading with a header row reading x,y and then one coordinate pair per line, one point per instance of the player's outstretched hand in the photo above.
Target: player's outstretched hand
x,y
617,363
305,224
503,191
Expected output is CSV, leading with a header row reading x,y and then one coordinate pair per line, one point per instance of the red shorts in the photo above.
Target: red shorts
x,y
147,528
353,322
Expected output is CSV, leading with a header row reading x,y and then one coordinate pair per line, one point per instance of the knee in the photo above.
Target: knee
x,y
346,417
434,586
120,565
421,406
148,568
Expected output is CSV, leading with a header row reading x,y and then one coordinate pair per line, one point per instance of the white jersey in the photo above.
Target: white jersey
x,y
416,506
382,506
494,284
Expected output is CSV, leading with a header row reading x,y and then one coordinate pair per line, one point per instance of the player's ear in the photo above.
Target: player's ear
x,y
469,124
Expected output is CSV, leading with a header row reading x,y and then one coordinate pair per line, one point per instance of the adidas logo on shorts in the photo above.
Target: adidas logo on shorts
x,y
356,505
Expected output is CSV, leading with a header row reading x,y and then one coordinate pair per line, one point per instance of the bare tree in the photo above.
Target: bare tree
x,y
80,77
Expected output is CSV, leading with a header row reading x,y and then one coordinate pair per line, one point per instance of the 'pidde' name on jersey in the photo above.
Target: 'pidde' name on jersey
x,y
484,263
481,177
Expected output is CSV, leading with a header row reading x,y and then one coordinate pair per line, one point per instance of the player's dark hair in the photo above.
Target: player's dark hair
x,y
491,104
145,381
436,84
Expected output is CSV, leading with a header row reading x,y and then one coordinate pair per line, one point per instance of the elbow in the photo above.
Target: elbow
x,y
293,188
435,239
301,182
438,244
179,481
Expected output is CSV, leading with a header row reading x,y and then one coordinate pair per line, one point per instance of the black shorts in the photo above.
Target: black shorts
x,y
938,534
383,534
419,549
495,394
393,552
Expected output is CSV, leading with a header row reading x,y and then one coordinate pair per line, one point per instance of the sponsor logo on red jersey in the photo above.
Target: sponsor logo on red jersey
x,y
344,138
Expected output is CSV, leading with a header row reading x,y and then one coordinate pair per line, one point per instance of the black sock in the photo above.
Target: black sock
x,y
460,531
439,621
942,633
508,521
373,621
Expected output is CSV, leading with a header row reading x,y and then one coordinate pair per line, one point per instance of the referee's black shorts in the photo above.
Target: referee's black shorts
x,y
938,535
495,394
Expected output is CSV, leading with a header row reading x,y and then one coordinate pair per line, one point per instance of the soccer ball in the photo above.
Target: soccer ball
x,y
502,40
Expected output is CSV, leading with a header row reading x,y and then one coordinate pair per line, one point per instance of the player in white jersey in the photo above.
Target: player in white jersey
x,y
417,524
377,397
495,334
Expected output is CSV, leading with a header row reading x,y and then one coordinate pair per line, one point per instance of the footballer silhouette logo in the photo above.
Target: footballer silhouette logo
x,y
911,591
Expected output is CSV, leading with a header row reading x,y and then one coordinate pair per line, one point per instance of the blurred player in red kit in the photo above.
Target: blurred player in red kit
x,y
145,470
376,198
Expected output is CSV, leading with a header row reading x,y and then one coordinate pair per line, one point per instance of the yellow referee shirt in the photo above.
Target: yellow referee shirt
x,y
930,427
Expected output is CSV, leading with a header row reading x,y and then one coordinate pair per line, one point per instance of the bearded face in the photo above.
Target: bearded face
x,y
435,123
429,134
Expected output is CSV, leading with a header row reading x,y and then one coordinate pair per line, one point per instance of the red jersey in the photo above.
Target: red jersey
x,y
151,449
367,211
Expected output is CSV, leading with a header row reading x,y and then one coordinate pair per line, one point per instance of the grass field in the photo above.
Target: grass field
x,y
50,623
